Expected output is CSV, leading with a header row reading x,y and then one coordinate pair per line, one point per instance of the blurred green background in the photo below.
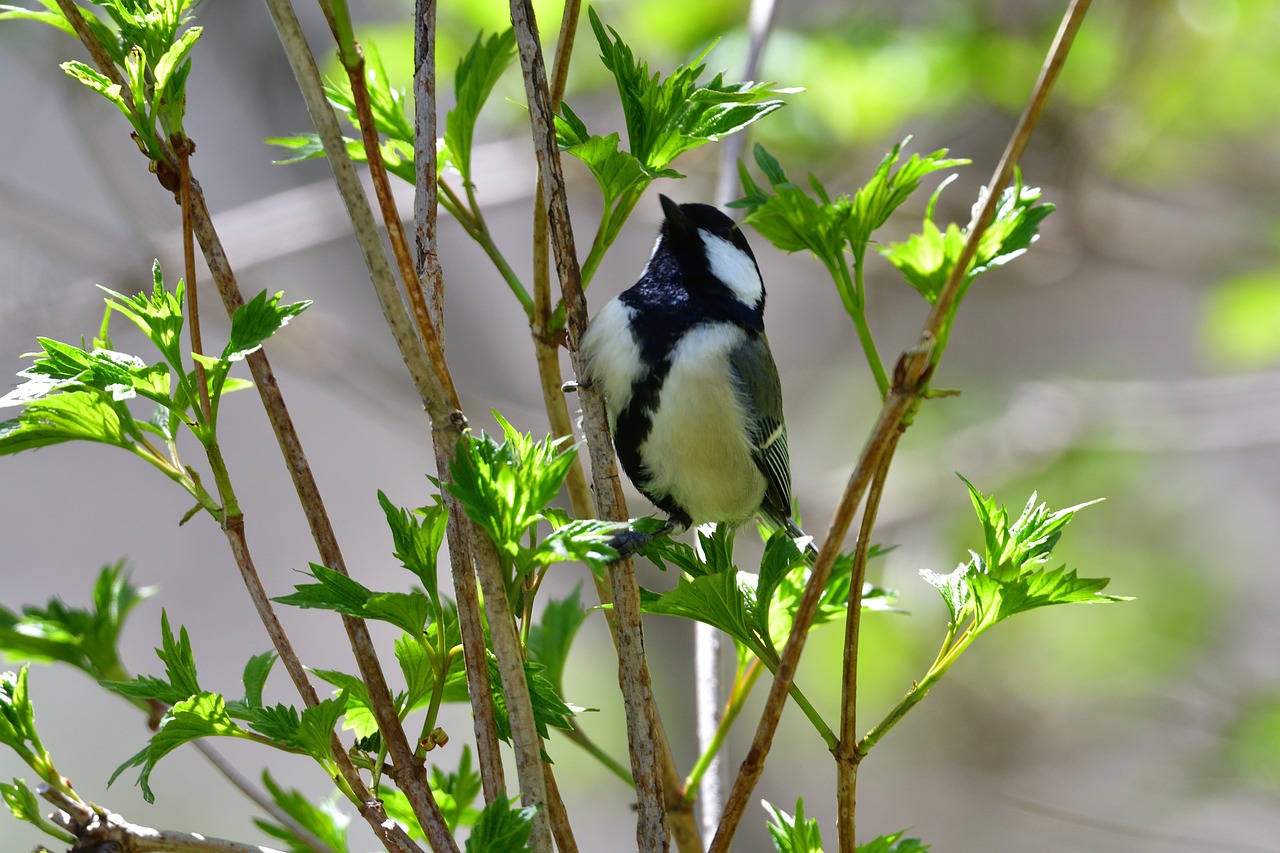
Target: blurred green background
x,y
1133,354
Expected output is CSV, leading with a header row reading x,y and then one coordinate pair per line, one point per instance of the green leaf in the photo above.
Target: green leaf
x,y
118,375
505,487
1009,576
926,259
256,321
407,610
418,540
325,821
17,715
457,790
255,677
720,600
418,662
202,715
502,828
617,172
85,638
69,416
180,681
876,201
335,591
52,16
359,710
796,834
665,118
315,730
158,315
582,540
99,83
552,636
478,72
170,74
895,843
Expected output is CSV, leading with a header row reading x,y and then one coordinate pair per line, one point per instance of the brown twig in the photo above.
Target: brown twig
x,y
97,52
184,148
100,830
911,376
515,686
847,756
643,728
460,531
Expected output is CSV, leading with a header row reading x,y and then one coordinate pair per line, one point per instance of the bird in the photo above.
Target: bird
x,y
689,382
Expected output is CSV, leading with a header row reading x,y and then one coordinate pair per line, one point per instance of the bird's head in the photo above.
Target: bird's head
x,y
710,249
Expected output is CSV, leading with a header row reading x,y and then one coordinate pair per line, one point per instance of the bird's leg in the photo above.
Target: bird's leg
x,y
628,542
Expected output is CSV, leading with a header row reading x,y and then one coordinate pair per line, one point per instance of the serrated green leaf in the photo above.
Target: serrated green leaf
x,y
666,117
406,610
478,72
720,600
895,843
325,820
256,321
953,589
179,661
202,715
99,83
502,828
617,172
926,258
84,638
163,71
52,16
315,729
359,710
68,416
418,537
62,366
255,675
790,834
17,715
335,591
278,722
505,487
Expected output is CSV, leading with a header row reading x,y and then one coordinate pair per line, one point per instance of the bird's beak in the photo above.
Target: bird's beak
x,y
676,221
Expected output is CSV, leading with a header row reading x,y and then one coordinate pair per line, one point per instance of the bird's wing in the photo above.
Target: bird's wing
x,y
756,376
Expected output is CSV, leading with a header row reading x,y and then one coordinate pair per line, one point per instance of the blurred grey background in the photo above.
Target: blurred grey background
x,y
1131,355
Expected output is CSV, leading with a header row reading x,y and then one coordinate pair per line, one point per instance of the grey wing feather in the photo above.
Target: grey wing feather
x,y
757,379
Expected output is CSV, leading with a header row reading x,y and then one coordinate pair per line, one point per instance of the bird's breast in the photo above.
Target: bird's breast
x,y
697,450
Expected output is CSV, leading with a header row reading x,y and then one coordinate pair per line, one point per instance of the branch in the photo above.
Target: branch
x,y
460,531
643,728
515,686
847,755
911,377
98,829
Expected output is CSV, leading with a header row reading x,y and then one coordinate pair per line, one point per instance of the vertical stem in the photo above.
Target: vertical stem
x,y
515,686
650,761
847,755
460,530
184,147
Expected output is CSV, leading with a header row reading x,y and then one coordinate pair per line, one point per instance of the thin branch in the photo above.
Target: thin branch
x,y
260,799
515,687
460,530
643,728
98,829
97,52
184,148
911,376
847,755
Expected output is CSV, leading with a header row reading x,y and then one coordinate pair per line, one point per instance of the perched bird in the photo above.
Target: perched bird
x,y
691,387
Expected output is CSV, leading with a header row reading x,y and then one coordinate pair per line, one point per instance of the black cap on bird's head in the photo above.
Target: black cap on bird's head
x,y
702,238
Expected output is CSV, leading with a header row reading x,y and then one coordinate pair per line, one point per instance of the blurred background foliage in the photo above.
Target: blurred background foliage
x,y
1133,355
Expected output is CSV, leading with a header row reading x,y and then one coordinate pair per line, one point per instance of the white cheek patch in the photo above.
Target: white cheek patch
x,y
734,267
611,355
